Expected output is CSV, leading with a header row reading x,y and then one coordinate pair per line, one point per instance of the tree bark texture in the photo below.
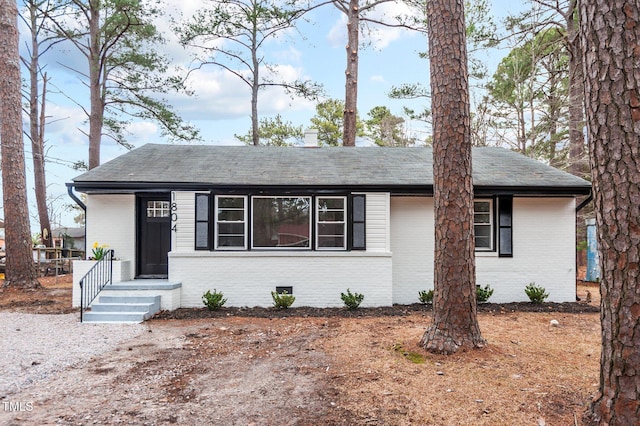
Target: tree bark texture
x,y
95,86
610,38
255,86
351,74
20,272
455,325
578,159
36,130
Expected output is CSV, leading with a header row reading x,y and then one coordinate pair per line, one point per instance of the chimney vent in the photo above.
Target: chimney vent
x,y
311,138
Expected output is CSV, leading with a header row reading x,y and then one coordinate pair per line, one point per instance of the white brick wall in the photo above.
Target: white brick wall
x,y
544,252
543,246
317,278
111,220
412,244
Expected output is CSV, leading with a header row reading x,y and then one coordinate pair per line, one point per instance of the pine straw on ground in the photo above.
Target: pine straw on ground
x,y
530,372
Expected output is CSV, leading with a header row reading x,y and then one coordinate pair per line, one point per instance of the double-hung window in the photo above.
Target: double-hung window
x,y
231,222
483,224
331,214
493,225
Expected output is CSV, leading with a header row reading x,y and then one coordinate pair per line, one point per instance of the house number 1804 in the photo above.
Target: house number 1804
x,y
174,217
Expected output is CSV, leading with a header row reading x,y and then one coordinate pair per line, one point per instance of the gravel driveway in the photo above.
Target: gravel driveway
x,y
34,346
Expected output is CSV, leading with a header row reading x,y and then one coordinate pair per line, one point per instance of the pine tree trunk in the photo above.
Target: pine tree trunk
x,y
20,271
578,164
95,87
351,74
610,41
36,130
455,323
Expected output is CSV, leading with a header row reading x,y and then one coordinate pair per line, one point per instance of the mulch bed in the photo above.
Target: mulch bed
x,y
396,310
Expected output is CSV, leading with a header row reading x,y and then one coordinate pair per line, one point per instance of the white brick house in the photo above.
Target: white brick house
x,y
316,221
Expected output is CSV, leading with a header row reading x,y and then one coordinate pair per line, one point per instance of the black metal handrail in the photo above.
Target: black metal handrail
x,y
95,280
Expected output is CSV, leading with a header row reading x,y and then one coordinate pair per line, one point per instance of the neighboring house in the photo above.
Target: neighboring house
x,y
248,220
69,238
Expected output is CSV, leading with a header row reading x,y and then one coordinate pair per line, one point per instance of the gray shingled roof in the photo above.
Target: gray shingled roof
x,y
207,165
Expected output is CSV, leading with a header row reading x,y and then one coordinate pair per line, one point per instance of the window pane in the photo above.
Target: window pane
x,y
330,226
281,222
482,218
230,222
331,216
483,236
230,202
231,215
330,204
231,228
481,206
325,229
157,209
330,242
230,241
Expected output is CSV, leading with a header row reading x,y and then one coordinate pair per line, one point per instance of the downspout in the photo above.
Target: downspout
x,y
585,202
582,205
79,202
75,198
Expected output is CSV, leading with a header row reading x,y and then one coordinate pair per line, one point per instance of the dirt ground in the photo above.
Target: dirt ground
x,y
335,367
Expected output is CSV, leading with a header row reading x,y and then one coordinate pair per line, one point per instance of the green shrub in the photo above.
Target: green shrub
x,y
536,293
352,300
282,300
483,294
425,296
213,300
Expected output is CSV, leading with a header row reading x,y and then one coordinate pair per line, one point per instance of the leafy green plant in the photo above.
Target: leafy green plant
x,y
425,296
282,300
483,294
99,251
213,301
351,300
536,293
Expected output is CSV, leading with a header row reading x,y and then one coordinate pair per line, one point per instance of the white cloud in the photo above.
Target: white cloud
x,y
377,78
221,95
379,36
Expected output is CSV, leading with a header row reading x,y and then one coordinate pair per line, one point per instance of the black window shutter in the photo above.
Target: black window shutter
x,y
505,226
358,227
203,230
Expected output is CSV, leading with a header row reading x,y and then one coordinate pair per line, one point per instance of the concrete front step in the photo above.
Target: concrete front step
x,y
131,309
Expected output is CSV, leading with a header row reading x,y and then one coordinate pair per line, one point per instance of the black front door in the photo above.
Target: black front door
x,y
154,235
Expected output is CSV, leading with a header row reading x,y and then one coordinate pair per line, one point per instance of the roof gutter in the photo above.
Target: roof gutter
x,y
585,202
75,198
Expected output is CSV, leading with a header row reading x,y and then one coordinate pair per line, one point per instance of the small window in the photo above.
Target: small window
x,y
158,208
482,224
330,223
231,222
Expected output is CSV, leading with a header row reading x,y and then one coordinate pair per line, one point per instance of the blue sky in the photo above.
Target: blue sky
x,y
221,107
